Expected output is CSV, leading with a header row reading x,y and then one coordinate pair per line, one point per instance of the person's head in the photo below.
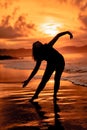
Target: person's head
x,y
36,50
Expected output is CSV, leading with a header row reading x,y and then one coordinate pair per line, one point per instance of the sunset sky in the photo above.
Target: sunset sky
x,y
24,21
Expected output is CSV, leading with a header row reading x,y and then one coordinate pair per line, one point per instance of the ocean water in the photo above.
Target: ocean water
x,y
18,70
76,69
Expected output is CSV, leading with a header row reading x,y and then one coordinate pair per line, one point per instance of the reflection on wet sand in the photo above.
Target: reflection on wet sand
x,y
16,112
57,124
20,114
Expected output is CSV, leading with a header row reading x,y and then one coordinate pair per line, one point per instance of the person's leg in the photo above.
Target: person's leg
x,y
57,78
47,74
59,69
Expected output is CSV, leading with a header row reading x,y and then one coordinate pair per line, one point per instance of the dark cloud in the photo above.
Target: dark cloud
x,y
81,4
83,19
5,21
8,32
22,27
19,29
84,7
77,2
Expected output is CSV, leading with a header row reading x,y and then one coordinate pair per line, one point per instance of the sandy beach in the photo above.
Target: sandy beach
x,y
69,113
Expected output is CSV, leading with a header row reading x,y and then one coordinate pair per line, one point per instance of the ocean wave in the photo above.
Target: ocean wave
x,y
76,70
77,79
77,73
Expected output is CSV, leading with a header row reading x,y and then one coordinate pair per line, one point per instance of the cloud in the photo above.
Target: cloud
x,y
5,21
19,29
82,15
81,4
83,19
14,13
22,27
5,3
8,32
14,25
84,7
77,2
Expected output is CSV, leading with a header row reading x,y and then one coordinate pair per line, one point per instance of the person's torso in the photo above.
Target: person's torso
x,y
50,54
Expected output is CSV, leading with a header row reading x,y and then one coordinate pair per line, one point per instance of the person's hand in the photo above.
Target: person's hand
x,y
71,36
25,83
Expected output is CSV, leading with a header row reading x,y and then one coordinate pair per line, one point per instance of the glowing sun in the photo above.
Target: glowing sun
x,y
50,29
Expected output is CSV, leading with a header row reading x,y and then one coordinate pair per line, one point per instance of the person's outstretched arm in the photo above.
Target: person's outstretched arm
x,y
32,74
51,43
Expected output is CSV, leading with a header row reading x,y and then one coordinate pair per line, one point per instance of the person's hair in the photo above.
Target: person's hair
x,y
36,50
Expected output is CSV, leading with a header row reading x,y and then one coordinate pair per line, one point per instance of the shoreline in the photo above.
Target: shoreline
x,y
17,82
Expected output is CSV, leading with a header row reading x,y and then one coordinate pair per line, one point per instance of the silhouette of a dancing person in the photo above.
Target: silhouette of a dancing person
x,y
55,62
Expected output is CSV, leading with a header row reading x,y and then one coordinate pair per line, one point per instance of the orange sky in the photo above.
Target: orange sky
x,y
24,21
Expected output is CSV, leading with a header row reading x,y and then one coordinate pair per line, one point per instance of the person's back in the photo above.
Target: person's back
x,y
50,54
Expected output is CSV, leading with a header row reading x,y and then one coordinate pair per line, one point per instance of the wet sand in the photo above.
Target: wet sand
x,y
68,113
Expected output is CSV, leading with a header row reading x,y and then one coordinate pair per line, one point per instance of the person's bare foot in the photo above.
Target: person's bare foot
x,y
33,98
